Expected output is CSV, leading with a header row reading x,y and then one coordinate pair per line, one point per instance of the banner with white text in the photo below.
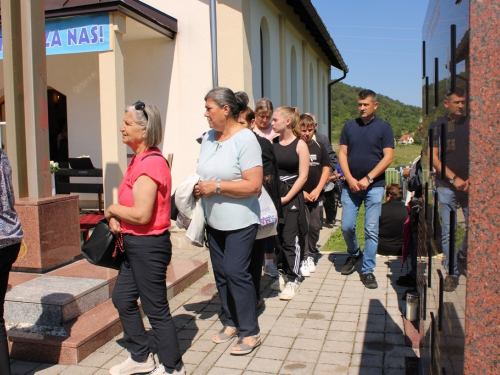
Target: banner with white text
x,y
75,35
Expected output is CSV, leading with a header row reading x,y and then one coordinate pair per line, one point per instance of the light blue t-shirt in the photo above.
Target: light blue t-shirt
x,y
227,160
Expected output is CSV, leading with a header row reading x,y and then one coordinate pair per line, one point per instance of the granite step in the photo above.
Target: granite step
x,y
53,300
91,328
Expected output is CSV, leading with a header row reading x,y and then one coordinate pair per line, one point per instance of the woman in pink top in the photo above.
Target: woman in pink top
x,y
263,113
143,217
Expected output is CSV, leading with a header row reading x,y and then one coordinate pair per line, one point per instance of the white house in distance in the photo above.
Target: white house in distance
x,y
104,55
406,139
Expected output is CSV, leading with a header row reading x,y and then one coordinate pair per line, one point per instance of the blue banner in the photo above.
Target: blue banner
x,y
75,35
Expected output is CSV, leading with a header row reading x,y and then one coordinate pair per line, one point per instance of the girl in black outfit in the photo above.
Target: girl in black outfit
x,y
271,184
292,156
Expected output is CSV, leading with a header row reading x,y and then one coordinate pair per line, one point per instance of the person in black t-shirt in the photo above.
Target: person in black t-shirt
x,y
366,150
319,172
393,216
453,183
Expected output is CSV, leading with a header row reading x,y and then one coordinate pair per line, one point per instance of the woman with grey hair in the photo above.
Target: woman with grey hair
x,y
142,217
230,167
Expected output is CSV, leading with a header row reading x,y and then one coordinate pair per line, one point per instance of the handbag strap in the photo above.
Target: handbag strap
x,y
118,244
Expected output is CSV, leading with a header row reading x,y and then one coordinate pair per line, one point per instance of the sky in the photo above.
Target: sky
x,y
380,42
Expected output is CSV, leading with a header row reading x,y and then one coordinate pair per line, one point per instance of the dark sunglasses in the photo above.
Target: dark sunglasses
x,y
138,105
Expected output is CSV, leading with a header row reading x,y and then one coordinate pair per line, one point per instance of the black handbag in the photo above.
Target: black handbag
x,y
104,248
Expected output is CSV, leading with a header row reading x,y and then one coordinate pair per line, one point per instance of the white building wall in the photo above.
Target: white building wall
x,y
176,75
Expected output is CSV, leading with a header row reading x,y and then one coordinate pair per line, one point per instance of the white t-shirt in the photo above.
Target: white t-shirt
x,y
227,160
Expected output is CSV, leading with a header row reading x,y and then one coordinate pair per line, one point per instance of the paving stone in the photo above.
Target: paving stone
x,y
97,359
202,346
330,369
193,357
48,369
264,365
23,367
323,307
333,358
227,360
316,324
337,346
365,337
79,370
341,336
308,344
270,352
305,356
368,348
367,360
224,371
279,341
394,362
354,370
345,317
344,326
204,367
314,334
296,367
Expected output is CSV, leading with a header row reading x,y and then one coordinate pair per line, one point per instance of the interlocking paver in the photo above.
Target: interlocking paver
x,y
264,365
272,352
306,356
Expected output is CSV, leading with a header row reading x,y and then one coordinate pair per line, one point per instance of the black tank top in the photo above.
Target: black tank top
x,y
287,159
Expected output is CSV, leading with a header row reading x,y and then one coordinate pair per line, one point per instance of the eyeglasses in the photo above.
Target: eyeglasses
x,y
138,105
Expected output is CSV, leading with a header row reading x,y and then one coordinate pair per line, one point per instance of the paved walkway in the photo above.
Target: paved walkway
x,y
333,326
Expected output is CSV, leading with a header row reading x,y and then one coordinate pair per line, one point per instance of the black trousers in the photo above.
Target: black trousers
x,y
230,252
260,247
144,275
289,249
8,256
313,215
330,206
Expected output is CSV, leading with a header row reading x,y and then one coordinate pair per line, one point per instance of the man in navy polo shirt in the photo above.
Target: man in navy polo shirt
x,y
366,150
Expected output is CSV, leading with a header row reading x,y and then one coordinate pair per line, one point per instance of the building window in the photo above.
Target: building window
x,y
265,60
312,107
293,78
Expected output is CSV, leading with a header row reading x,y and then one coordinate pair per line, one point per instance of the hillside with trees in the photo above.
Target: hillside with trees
x,y
403,118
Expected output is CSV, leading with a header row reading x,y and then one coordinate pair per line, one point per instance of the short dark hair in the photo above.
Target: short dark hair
x,y
363,94
460,92
395,191
248,114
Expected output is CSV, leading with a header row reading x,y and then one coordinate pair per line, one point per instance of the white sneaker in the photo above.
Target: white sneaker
x,y
271,270
291,289
310,264
160,370
280,282
130,367
304,270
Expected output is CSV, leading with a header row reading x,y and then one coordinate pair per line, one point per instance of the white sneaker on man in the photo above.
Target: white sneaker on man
x,y
291,289
271,270
161,370
304,270
130,367
280,282
310,264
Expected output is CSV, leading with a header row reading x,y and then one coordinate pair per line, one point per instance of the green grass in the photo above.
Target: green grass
x,y
404,155
336,241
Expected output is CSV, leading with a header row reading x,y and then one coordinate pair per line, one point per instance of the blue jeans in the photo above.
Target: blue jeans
x,y
351,202
448,201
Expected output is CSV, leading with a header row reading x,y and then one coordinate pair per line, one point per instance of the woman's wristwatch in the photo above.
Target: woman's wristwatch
x,y
217,189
